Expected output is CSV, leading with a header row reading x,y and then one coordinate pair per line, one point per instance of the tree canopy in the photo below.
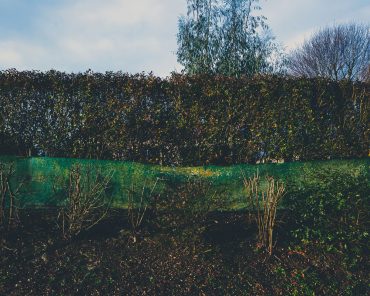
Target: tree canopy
x,y
225,37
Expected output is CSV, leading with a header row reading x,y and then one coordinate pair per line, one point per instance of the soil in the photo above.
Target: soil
x,y
218,257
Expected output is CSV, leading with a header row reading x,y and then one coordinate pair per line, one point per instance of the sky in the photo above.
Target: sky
x,y
136,35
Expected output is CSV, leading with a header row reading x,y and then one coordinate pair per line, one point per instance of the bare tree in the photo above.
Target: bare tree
x,y
337,52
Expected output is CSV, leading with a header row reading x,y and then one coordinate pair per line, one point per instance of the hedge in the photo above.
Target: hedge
x,y
181,120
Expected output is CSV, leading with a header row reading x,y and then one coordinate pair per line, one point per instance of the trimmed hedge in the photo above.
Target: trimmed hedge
x,y
181,120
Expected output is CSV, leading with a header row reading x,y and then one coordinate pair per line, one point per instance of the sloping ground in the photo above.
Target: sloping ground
x,y
42,175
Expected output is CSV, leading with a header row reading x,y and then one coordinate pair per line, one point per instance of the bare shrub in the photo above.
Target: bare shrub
x,y
137,205
8,195
87,202
264,204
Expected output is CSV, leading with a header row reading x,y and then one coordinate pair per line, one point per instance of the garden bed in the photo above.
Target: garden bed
x,y
218,257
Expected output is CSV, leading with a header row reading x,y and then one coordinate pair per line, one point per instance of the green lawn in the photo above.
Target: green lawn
x,y
41,175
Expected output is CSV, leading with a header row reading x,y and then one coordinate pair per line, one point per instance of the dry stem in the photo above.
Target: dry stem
x,y
264,203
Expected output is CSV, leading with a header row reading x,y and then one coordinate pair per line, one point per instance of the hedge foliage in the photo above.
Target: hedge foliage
x,y
181,120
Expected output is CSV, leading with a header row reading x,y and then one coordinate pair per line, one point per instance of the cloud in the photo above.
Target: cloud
x,y
118,34
125,35
17,53
134,36
294,21
113,12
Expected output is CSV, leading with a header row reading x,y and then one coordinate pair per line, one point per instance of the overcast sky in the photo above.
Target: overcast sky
x,y
135,35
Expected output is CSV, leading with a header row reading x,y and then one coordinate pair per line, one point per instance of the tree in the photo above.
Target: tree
x,y
197,37
243,50
337,52
224,37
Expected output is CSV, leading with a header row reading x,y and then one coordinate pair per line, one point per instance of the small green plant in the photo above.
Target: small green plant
x,y
331,207
296,281
264,205
87,202
8,195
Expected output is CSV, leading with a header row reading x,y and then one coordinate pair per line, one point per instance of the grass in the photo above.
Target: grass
x,y
40,172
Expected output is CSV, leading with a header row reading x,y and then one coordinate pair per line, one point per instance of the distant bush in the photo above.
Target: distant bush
x,y
182,120
332,207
